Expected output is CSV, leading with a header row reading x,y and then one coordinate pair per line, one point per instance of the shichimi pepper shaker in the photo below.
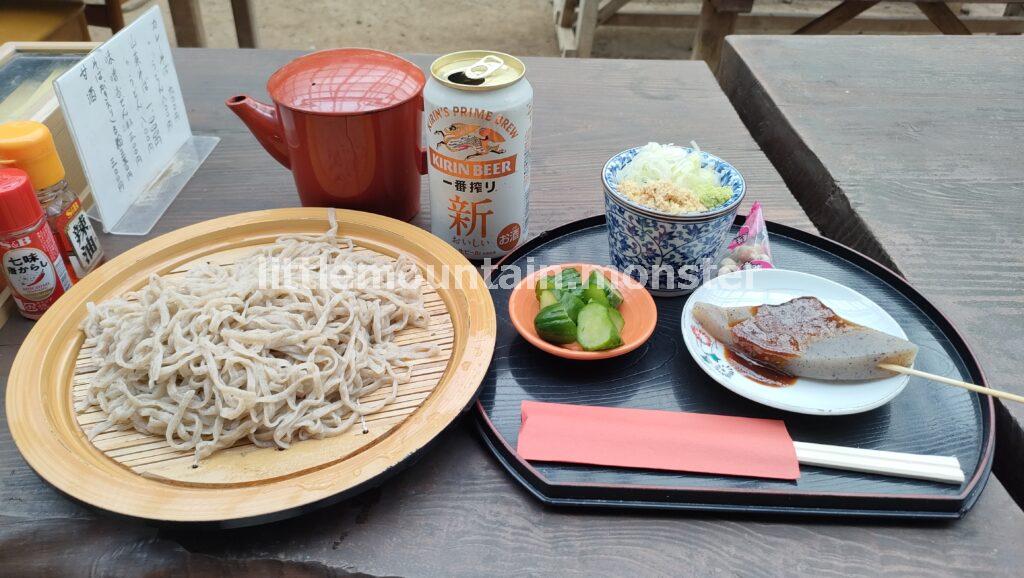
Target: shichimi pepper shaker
x,y
31,260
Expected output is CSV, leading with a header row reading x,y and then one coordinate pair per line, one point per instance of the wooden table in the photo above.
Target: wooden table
x,y
457,512
909,149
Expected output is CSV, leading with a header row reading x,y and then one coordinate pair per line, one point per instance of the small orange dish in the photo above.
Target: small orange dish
x,y
637,309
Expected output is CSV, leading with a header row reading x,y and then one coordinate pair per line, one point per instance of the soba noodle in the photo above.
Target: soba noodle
x,y
278,347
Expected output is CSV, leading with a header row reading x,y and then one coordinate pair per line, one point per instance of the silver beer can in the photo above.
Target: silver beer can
x,y
478,110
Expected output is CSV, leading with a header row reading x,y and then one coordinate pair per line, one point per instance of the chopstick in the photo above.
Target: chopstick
x,y
956,382
934,468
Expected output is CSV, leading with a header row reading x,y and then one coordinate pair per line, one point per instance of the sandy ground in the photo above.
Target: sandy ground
x,y
523,27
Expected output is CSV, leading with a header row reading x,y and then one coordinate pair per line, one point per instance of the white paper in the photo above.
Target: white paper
x,y
123,107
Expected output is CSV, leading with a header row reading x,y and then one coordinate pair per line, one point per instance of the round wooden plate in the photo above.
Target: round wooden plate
x,y
139,475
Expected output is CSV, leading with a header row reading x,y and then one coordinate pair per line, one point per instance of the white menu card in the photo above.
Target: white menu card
x,y
123,107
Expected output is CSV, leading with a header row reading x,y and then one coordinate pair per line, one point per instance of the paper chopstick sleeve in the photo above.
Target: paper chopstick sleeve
x,y
659,440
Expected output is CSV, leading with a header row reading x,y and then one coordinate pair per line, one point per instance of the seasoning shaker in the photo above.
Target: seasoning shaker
x,y
29,146
31,260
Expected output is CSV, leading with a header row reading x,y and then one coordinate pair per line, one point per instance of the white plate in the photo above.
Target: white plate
x,y
810,396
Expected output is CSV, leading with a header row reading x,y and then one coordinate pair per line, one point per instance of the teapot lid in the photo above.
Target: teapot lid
x,y
345,81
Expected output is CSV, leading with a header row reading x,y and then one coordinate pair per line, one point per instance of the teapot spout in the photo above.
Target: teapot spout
x,y
263,122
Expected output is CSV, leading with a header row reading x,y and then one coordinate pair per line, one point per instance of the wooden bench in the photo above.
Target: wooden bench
x,y
576,21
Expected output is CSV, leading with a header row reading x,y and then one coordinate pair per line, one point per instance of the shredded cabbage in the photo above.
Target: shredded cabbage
x,y
654,162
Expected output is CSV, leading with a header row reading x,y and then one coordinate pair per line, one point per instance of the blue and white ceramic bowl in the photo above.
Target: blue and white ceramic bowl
x,y
669,254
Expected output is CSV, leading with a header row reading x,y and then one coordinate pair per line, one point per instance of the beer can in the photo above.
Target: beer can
x,y
478,110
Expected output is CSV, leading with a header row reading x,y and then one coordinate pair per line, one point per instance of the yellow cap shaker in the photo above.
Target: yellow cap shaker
x,y
28,145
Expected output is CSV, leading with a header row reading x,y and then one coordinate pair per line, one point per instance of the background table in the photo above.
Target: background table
x,y
577,20
457,512
909,149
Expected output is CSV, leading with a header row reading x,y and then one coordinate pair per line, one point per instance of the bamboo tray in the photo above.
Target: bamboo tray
x,y
138,475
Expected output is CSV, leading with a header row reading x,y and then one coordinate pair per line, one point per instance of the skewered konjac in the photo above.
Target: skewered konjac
x,y
804,338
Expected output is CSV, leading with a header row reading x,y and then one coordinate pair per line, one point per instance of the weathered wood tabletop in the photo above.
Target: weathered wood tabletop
x,y
909,149
457,512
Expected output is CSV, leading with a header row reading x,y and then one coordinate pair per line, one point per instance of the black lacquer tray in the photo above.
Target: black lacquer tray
x,y
926,418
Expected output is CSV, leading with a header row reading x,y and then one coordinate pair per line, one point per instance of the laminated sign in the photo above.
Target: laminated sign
x,y
125,112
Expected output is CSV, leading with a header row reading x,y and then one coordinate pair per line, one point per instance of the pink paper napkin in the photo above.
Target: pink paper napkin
x,y
660,440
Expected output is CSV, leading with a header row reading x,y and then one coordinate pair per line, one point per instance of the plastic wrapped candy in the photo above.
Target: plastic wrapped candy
x,y
749,249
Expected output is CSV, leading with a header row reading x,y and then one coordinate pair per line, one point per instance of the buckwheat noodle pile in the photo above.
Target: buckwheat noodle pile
x,y
225,353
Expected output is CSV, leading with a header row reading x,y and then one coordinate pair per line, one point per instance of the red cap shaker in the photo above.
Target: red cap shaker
x,y
19,207
29,255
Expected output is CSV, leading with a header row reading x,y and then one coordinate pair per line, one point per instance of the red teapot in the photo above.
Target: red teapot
x,y
348,124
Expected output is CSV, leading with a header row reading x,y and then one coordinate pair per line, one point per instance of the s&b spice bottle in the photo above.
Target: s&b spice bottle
x,y
31,261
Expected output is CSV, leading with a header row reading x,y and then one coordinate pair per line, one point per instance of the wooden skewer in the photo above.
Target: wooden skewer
x,y
956,382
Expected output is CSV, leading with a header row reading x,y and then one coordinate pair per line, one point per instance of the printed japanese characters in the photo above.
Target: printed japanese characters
x,y
125,113
133,105
78,239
